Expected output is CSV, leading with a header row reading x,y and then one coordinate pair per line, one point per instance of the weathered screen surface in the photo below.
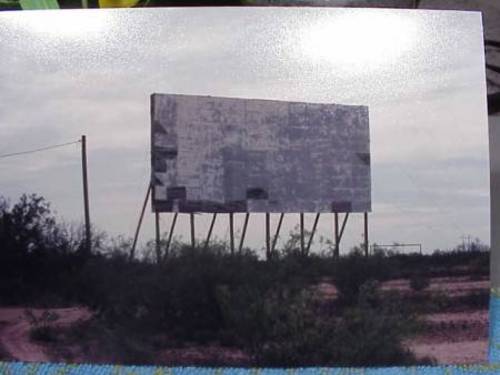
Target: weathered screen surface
x,y
212,154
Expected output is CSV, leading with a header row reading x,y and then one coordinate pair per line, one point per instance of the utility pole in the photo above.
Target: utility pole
x,y
336,250
231,231
366,233
193,239
86,196
302,248
157,237
268,236
141,216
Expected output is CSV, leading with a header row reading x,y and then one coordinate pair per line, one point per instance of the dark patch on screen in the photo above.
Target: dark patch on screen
x,y
211,206
165,153
257,193
341,206
170,154
157,181
160,165
163,206
365,157
157,128
177,192
236,206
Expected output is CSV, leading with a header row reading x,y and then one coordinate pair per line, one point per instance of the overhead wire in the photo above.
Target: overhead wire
x,y
38,149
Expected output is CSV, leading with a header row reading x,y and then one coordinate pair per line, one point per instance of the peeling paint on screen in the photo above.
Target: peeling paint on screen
x,y
212,154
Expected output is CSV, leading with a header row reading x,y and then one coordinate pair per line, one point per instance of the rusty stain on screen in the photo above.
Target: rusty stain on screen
x,y
212,154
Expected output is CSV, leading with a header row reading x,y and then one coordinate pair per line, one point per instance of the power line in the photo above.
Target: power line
x,y
38,149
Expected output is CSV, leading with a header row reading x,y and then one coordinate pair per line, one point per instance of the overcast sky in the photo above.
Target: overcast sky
x,y
91,72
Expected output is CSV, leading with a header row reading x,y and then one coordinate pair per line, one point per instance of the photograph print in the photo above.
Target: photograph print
x,y
244,187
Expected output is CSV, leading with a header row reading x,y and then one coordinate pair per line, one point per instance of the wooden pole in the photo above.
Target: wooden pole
x,y
309,243
170,234
343,226
157,232
193,240
302,247
337,237
214,216
276,235
245,224
231,232
136,236
88,239
366,233
268,236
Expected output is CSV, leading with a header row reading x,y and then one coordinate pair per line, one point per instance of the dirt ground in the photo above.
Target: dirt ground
x,y
450,337
454,338
15,331
451,286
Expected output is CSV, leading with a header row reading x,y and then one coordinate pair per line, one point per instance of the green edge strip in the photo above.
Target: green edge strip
x,y
495,292
39,4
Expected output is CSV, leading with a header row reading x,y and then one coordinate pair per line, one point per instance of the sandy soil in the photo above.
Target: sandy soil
x,y
451,337
463,352
15,328
451,286
205,355
326,290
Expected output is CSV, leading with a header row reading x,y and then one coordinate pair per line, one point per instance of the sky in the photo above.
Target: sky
x,y
74,72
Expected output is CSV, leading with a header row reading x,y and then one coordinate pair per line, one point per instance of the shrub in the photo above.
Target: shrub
x,y
5,355
284,327
355,269
419,283
38,257
44,334
41,329
118,344
475,300
372,337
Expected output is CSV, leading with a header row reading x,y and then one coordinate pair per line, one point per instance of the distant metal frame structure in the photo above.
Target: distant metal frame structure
x,y
376,246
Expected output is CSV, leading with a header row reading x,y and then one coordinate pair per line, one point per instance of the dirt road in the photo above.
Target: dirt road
x,y
15,328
